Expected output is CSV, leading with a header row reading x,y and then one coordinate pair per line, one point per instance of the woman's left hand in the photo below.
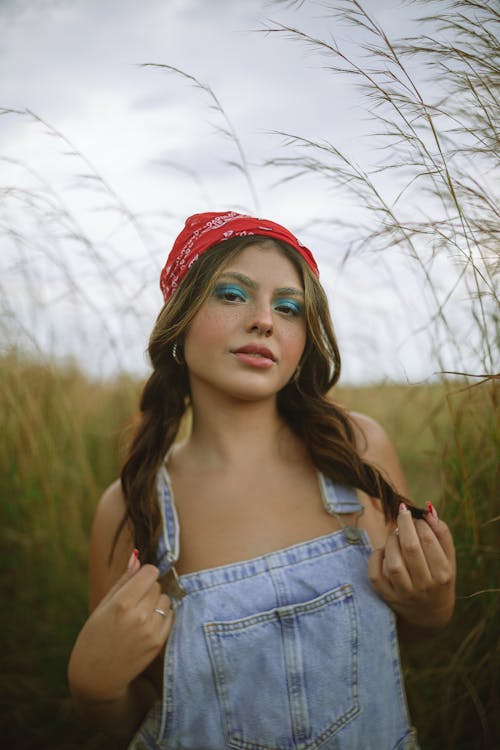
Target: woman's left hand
x,y
415,571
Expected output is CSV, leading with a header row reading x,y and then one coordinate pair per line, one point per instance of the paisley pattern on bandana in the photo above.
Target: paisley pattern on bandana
x,y
202,231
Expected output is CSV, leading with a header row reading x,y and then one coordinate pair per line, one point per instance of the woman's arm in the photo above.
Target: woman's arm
x,y
414,570
123,634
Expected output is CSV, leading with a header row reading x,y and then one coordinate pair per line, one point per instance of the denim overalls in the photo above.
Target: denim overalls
x,y
292,650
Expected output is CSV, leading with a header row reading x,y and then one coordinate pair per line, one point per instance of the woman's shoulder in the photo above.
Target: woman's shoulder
x,y
368,432
109,512
375,447
109,553
112,501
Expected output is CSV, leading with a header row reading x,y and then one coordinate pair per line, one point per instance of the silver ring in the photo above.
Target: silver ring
x,y
396,531
160,611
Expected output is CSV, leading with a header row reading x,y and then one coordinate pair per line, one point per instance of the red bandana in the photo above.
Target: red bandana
x,y
202,231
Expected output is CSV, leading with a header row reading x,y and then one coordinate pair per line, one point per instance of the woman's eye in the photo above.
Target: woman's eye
x,y
288,307
230,293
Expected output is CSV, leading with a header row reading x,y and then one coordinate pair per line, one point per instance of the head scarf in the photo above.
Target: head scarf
x,y
202,231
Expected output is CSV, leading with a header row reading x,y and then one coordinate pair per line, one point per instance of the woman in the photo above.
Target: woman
x,y
259,608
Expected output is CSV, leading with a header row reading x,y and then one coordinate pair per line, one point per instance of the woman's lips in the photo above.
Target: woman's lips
x,y
255,356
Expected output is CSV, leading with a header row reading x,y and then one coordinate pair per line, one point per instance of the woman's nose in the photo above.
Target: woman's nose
x,y
261,320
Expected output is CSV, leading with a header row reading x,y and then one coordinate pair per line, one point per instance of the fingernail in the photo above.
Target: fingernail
x,y
432,510
133,557
403,508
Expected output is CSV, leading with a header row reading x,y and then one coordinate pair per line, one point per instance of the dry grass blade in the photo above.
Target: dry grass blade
x,y
227,131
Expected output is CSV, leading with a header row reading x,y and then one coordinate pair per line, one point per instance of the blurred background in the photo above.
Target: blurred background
x,y
371,131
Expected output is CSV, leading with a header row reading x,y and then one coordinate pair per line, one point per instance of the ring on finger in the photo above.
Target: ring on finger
x,y
160,611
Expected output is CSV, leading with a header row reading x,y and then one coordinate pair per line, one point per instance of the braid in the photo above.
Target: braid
x,y
327,431
163,404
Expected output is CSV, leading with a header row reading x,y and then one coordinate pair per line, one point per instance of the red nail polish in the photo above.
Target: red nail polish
x,y
133,558
402,507
432,510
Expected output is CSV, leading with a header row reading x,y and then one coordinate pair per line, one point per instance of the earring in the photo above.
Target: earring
x,y
175,354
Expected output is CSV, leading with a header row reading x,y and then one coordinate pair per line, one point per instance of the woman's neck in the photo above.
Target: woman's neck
x,y
239,434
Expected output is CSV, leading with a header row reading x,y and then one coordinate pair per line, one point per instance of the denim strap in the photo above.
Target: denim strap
x,y
168,544
338,498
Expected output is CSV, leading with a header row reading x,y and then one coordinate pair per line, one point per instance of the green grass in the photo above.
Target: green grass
x,y
60,447
58,450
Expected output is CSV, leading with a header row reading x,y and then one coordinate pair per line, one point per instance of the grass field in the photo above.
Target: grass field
x,y
60,447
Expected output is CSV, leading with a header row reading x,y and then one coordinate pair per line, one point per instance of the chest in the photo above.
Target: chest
x,y
226,518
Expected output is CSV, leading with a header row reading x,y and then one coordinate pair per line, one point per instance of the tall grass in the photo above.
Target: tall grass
x,y
59,447
60,437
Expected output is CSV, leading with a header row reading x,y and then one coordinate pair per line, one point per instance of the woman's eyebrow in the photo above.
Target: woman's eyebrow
x,y
251,284
290,290
245,280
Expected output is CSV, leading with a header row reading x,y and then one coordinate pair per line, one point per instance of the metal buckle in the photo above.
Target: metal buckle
x,y
352,534
173,587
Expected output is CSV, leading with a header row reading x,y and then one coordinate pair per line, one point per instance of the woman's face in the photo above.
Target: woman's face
x,y
248,337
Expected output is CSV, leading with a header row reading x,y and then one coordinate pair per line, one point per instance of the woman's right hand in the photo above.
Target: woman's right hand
x,y
121,637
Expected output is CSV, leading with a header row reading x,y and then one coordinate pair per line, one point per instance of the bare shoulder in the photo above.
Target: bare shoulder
x,y
104,569
375,447
370,435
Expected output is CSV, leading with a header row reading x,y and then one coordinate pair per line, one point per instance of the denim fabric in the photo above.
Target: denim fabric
x,y
292,650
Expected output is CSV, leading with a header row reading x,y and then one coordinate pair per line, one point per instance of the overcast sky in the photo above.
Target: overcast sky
x,y
77,276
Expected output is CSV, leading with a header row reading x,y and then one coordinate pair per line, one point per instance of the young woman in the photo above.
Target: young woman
x,y
246,581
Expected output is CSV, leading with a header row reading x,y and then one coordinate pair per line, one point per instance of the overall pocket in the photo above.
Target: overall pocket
x,y
287,677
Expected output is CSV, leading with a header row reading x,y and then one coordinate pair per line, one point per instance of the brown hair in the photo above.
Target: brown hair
x,y
324,426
